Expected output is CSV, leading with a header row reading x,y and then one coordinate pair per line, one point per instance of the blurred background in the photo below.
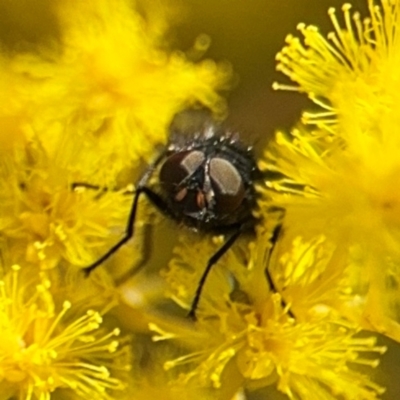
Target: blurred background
x,y
245,33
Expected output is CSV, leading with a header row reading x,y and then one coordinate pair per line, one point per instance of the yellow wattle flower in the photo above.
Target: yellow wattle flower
x,y
337,172
351,73
114,87
111,85
296,339
271,348
44,350
46,221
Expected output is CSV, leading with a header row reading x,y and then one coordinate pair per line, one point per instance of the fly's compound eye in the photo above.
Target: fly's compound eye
x,y
227,184
176,169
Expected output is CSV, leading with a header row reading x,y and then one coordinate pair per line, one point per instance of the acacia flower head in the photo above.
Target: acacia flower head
x,y
296,339
350,74
44,350
274,349
110,85
337,170
114,87
46,220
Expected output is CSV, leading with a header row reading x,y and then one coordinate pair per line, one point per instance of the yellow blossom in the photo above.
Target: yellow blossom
x,y
113,87
110,85
271,348
44,220
352,75
297,339
337,172
44,349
